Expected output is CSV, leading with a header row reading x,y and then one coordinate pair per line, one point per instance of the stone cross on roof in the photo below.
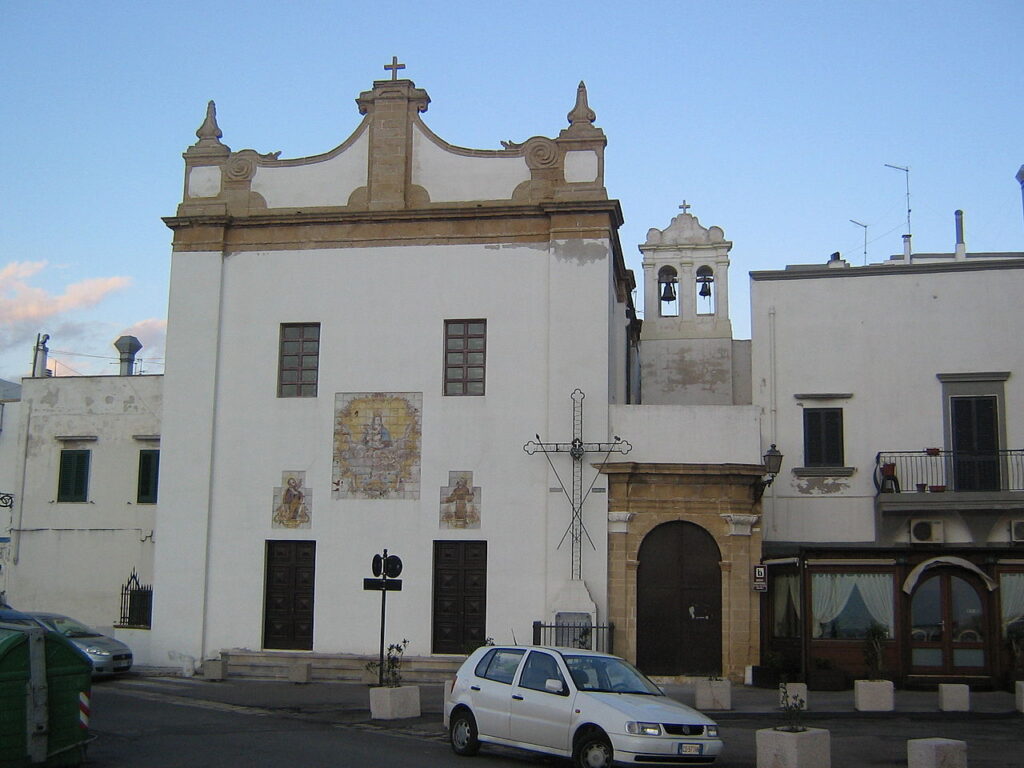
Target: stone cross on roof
x,y
685,207
394,66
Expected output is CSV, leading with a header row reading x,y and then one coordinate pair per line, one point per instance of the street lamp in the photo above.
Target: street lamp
x,y
772,464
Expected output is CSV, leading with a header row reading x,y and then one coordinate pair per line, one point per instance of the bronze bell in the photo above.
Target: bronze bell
x,y
705,290
669,293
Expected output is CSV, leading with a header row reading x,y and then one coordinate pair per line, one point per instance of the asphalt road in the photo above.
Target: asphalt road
x,y
171,723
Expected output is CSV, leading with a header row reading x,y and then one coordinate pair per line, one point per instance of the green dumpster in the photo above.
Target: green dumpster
x,y
45,686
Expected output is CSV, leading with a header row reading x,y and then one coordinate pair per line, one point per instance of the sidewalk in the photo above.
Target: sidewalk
x,y
348,702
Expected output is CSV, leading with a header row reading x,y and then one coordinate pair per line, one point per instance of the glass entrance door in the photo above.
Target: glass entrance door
x,y
947,635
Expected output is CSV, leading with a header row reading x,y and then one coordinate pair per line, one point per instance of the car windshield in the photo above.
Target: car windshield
x,y
70,627
609,675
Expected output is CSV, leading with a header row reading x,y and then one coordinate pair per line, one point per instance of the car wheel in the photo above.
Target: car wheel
x,y
593,750
462,733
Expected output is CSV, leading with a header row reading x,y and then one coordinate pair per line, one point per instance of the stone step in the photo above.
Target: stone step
x,y
283,665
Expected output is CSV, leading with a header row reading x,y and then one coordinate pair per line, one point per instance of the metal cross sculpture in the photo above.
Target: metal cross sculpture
x,y
577,449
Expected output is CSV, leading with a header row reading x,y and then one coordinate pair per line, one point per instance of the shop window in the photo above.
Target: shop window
x,y
846,605
1011,596
786,605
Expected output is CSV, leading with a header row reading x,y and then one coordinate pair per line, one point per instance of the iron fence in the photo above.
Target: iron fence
x,y
593,637
136,603
935,470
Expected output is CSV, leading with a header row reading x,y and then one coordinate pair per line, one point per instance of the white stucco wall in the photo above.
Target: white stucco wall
x,y
74,557
449,177
318,181
10,471
881,336
382,313
688,434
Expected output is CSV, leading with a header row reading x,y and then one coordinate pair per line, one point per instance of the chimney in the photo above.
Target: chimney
x,y
39,354
127,346
906,248
961,247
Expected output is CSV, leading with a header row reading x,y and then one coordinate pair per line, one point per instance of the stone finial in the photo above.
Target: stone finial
x,y
581,114
209,130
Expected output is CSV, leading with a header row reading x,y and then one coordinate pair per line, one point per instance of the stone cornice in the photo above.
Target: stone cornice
x,y
746,472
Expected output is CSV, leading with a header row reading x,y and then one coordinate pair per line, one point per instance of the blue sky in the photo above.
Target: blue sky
x,y
774,120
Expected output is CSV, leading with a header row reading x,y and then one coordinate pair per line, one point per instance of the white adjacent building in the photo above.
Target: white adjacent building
x,y
895,391
85,455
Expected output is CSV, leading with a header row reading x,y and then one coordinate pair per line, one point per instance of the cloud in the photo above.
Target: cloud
x,y
24,307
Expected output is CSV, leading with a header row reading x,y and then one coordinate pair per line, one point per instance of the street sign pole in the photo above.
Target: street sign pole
x,y
383,613
386,570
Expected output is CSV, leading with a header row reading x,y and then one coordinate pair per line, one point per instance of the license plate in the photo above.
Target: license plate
x,y
690,749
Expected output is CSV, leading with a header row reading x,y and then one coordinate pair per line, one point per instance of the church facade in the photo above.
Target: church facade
x,y
409,346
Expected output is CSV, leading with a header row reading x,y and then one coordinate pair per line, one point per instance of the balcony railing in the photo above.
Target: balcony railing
x,y
936,470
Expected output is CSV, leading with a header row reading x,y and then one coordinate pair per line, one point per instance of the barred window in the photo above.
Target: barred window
x,y
465,356
299,361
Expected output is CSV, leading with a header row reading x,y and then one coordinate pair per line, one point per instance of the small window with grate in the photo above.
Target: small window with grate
x,y
149,475
465,356
73,483
299,360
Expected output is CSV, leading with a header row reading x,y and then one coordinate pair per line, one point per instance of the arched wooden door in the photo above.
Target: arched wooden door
x,y
679,602
948,627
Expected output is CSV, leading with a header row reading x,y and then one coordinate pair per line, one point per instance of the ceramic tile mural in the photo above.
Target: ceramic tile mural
x,y
377,445
460,502
292,502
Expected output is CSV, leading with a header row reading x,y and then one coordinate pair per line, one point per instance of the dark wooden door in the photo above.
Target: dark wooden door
x,y
460,596
679,602
288,600
975,444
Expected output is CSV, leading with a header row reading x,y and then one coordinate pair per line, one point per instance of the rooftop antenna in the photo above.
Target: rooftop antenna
x,y
906,172
865,239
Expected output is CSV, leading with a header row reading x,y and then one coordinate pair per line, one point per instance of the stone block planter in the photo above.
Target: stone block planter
x,y
214,669
713,694
793,696
936,753
874,695
395,703
811,748
954,697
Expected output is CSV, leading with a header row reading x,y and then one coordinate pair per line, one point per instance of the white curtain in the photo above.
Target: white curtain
x,y
1011,588
876,591
786,589
830,592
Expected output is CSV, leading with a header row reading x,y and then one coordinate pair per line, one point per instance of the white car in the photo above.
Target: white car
x,y
595,708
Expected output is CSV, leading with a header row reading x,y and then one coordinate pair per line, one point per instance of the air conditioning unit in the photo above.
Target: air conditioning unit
x,y
1017,531
926,531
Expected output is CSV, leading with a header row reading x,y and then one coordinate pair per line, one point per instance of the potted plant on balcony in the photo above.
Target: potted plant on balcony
x,y
793,744
875,694
392,700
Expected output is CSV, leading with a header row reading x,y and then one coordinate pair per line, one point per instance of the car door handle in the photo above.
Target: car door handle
x,y
517,697
474,687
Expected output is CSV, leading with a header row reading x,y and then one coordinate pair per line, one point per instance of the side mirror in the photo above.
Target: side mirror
x,y
553,685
